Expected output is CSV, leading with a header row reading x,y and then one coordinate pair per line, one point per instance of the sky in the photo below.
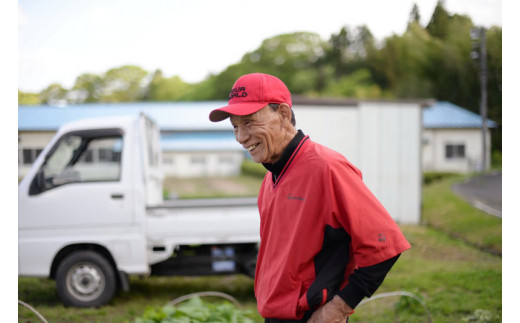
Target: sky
x,y
59,40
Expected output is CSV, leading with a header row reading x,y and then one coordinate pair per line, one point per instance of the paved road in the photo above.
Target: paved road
x,y
483,191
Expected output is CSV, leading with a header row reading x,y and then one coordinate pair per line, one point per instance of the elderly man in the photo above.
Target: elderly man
x,y
326,241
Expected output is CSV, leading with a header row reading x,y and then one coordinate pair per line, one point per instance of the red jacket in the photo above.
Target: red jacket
x,y
318,222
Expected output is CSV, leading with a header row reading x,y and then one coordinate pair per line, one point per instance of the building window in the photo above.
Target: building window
x,y
455,151
30,155
168,160
226,160
198,160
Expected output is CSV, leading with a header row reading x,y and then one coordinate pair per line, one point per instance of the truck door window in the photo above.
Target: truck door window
x,y
80,158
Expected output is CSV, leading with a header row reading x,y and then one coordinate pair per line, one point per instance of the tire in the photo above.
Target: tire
x,y
249,266
85,279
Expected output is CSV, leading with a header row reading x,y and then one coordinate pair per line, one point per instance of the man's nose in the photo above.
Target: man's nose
x,y
241,135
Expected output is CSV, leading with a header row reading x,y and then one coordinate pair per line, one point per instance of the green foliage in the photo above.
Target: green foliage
x,y
415,16
251,168
26,98
496,160
410,305
439,22
358,84
284,56
123,84
166,89
194,311
430,177
53,94
89,87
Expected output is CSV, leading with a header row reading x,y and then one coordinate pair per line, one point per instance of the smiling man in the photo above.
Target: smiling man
x,y
326,241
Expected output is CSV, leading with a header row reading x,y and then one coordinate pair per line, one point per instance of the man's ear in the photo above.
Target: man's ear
x,y
285,111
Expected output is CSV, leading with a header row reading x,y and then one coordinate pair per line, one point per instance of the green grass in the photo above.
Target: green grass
x,y
127,306
453,278
212,187
457,281
444,210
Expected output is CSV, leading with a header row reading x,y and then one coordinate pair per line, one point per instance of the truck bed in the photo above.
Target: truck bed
x,y
176,223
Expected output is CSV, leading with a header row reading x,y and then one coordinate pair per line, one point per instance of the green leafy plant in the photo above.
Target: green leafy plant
x,y
195,310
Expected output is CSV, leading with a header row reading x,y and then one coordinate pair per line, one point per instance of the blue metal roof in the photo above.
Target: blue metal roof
x,y
447,115
193,116
170,116
200,141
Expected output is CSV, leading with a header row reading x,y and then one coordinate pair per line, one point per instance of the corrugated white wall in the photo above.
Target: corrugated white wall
x,y
383,139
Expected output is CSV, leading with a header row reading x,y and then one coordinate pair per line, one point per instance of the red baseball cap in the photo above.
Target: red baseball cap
x,y
250,93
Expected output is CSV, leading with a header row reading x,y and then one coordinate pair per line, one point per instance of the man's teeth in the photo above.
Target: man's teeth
x,y
251,147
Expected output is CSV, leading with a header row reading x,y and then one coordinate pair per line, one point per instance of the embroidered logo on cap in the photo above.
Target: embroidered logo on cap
x,y
237,92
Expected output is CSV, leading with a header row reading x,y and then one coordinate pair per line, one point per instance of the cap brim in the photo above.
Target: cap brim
x,y
237,109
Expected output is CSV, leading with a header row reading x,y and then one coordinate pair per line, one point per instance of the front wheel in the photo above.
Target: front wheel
x,y
85,279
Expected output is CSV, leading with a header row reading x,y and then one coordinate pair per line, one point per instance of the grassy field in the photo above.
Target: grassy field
x,y
448,212
458,281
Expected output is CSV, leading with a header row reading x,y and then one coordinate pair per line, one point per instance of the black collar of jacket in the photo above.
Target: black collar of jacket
x,y
277,167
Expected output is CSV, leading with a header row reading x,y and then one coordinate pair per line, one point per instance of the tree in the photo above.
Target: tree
x,y
88,87
54,94
123,84
438,25
358,84
349,51
494,71
27,98
415,17
337,53
165,89
400,66
285,55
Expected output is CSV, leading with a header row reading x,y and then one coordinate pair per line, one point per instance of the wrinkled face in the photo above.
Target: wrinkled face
x,y
262,133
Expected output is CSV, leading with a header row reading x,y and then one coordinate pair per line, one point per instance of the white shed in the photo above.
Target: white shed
x,y
382,138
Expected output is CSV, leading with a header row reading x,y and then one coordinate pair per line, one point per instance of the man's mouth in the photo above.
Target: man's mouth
x,y
252,147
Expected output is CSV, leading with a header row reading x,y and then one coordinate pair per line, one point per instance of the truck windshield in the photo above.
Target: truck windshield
x,y
79,158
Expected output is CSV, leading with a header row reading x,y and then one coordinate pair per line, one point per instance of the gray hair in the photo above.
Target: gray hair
x,y
275,106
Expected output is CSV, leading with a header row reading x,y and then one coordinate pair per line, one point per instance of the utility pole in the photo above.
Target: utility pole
x,y
479,36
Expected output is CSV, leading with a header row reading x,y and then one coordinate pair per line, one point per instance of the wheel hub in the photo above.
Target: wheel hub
x,y
85,281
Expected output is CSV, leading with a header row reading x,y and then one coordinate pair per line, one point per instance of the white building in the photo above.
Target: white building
x,y
452,139
382,138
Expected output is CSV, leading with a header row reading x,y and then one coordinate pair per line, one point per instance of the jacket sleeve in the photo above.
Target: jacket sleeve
x,y
375,237
365,281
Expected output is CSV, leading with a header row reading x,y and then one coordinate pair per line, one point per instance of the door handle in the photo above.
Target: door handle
x,y
117,196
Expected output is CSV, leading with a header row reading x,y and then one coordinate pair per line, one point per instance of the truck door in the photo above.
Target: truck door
x,y
81,185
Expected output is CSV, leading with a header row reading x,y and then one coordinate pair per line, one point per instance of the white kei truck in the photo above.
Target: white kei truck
x,y
91,213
